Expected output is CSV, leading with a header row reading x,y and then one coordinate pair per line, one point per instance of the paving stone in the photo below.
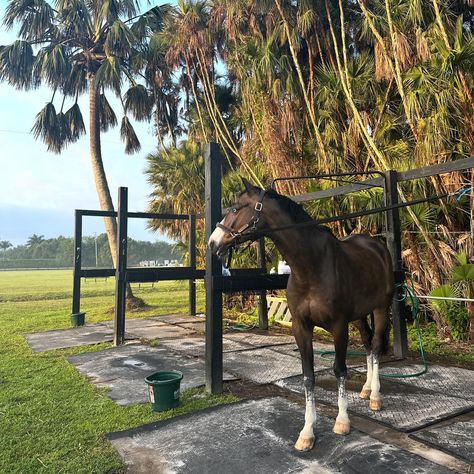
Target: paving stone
x,y
196,346
257,437
161,331
195,326
123,369
456,437
259,340
134,323
405,408
177,318
73,337
261,365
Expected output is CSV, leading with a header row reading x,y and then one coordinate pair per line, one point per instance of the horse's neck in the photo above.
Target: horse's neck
x,y
303,247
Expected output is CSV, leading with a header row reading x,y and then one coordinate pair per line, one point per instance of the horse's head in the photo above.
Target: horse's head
x,y
244,218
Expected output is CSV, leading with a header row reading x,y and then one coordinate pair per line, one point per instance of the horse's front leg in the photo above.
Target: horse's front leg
x,y
342,425
304,339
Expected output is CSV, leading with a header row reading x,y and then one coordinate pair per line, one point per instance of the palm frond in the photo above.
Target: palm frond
x,y
109,74
75,17
52,64
138,102
129,137
119,39
35,18
106,114
47,128
16,65
75,123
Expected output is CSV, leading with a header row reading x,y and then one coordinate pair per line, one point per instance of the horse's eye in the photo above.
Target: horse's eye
x,y
234,210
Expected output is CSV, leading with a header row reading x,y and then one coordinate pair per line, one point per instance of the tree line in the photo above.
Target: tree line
x,y
58,252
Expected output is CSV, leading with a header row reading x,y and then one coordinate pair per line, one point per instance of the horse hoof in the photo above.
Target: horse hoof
x,y
375,404
365,393
342,428
304,443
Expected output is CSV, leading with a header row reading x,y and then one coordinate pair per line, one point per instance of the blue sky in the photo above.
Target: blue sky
x,y
39,190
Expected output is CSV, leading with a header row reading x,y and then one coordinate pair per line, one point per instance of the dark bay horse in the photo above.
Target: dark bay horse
x,y
332,283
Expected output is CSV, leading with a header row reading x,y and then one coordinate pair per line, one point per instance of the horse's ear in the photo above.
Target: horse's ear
x,y
248,186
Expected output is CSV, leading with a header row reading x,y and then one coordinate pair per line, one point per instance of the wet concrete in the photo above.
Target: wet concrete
x,y
123,369
257,437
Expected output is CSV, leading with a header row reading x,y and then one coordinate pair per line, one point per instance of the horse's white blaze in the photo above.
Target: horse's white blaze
x,y
368,382
310,415
342,416
375,382
217,236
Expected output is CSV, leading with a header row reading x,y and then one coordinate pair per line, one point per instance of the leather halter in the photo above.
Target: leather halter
x,y
252,224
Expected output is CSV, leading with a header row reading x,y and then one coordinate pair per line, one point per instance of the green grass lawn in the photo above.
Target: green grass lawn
x,y
51,419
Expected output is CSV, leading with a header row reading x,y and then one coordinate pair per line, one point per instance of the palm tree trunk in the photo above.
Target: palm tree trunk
x,y
100,178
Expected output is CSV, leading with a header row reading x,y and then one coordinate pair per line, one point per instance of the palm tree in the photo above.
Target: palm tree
x,y
5,245
77,47
34,240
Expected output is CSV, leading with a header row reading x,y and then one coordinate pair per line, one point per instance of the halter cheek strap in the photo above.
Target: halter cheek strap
x,y
252,224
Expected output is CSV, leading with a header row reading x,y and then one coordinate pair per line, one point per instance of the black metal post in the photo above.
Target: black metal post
x,y
214,365
192,263
262,295
76,289
120,271
394,244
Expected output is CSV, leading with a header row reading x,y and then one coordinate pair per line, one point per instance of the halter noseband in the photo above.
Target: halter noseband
x,y
252,224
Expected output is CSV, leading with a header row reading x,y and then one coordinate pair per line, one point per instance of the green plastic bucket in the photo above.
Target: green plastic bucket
x,y
163,388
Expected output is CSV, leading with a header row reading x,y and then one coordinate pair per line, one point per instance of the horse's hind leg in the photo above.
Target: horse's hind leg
x,y
303,333
341,335
366,335
381,323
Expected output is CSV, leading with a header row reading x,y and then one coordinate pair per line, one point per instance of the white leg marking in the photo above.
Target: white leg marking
x,y
310,415
368,383
306,438
217,235
343,424
375,400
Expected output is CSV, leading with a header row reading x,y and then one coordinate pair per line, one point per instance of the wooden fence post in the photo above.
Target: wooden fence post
x,y
262,295
214,364
192,263
394,244
120,271
76,289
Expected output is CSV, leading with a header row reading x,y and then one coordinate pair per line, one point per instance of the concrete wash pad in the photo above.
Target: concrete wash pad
x,y
74,337
149,328
257,436
406,407
123,369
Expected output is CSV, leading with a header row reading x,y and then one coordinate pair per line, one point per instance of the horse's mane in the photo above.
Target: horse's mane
x,y
294,209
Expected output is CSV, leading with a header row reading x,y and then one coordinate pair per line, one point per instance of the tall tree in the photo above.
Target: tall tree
x,y
76,47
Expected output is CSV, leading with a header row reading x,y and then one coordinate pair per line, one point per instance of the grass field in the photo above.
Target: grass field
x,y
51,419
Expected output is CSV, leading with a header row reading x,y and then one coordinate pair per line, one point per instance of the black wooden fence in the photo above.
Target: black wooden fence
x,y
123,274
